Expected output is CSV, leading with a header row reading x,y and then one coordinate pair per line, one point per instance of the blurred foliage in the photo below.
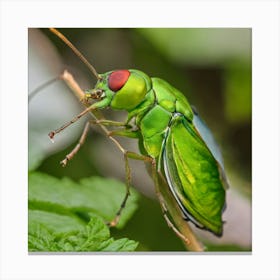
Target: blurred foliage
x,y
211,66
90,195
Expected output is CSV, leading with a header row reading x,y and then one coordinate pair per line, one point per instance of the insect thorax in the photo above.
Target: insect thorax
x,y
154,114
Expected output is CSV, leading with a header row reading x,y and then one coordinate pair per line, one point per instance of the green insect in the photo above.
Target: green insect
x,y
186,164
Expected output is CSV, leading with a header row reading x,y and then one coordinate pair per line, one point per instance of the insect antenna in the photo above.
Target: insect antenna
x,y
76,51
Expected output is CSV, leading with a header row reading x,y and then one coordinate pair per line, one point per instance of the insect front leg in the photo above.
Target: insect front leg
x,y
84,135
127,155
78,146
87,110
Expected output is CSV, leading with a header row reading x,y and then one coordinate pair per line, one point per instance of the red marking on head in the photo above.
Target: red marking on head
x,y
117,79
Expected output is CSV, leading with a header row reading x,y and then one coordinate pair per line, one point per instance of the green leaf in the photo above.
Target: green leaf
x,y
93,195
94,236
55,222
40,239
121,245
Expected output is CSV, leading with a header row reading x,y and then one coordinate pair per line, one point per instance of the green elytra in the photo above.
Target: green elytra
x,y
170,131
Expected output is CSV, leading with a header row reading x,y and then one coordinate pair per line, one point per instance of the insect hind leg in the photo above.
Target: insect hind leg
x,y
163,205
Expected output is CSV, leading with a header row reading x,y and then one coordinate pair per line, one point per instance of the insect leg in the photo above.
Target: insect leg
x,y
127,155
84,135
110,123
115,221
78,146
54,132
163,206
172,226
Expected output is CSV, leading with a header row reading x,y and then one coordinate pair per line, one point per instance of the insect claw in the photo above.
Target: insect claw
x,y
111,224
114,222
187,241
51,135
64,162
85,100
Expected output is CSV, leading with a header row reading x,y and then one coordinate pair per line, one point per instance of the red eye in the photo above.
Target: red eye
x,y
117,79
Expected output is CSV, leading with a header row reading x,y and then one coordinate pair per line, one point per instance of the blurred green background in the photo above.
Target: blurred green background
x,y
211,66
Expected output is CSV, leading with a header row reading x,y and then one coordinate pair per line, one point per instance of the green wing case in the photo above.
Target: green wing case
x,y
193,175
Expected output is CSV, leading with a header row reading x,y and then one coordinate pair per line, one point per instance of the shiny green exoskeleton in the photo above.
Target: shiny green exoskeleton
x,y
171,132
